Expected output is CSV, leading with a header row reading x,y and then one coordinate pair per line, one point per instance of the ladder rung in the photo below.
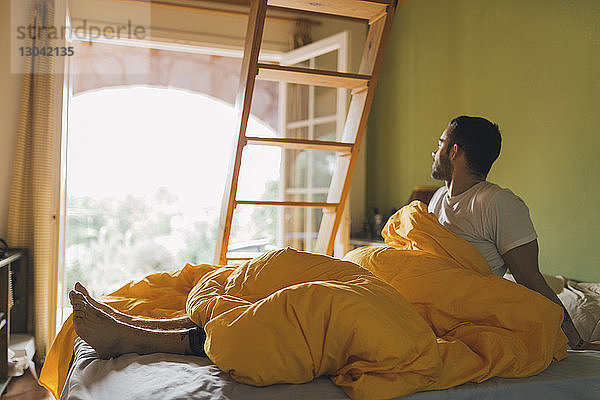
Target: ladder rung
x,y
286,203
348,8
309,76
301,144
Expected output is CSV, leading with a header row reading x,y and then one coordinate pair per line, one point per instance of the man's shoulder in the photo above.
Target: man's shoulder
x,y
490,191
437,198
441,191
494,196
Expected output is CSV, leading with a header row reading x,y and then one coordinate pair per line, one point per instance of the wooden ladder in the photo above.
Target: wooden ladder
x,y
379,14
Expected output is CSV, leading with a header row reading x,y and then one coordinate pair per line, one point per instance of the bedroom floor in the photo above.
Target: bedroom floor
x,y
26,388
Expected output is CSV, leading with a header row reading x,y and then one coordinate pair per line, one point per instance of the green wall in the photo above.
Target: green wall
x,y
531,66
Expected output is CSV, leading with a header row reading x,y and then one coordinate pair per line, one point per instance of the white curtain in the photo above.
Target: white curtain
x,y
32,218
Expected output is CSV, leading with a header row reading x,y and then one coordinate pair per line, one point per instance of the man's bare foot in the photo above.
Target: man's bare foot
x,y
146,323
111,337
97,328
102,306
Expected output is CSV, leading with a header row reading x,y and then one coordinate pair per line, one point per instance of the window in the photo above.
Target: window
x,y
147,163
148,154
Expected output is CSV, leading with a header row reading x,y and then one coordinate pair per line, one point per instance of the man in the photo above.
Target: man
x,y
491,218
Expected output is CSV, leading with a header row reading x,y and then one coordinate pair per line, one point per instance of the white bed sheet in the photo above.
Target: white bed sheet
x,y
169,376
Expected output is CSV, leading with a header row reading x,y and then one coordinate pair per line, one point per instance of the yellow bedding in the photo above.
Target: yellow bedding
x,y
289,316
486,325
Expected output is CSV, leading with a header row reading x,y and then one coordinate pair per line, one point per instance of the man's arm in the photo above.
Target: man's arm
x,y
522,261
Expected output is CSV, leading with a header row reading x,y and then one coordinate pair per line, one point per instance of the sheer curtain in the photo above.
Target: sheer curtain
x,y
32,217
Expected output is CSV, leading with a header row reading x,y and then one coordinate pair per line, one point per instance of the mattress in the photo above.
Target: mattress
x,y
172,376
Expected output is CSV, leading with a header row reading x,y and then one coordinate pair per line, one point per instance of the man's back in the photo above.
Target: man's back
x,y
491,218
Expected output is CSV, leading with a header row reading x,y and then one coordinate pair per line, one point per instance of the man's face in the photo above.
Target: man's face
x,y
442,167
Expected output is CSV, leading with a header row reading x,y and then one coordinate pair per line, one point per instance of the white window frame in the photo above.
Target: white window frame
x,y
338,43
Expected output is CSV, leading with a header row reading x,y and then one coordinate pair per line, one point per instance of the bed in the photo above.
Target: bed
x,y
169,376
290,316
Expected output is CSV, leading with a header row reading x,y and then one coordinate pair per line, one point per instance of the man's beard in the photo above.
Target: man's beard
x,y
442,170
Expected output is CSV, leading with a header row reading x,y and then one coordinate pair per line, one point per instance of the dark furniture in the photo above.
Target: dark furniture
x,y
12,319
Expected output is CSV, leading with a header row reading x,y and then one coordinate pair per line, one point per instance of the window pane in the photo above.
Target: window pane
x,y
261,228
297,133
296,168
297,102
321,168
308,168
325,131
327,61
325,101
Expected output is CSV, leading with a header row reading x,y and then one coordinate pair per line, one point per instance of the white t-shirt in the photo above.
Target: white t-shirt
x,y
491,218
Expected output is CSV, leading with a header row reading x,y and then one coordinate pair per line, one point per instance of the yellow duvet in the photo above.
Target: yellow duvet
x,y
288,316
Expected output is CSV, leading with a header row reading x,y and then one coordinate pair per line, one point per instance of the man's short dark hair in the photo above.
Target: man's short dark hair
x,y
480,140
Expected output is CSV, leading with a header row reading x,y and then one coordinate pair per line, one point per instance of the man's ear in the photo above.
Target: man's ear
x,y
454,151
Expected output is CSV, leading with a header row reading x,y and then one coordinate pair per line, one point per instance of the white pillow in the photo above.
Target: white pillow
x,y
582,301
